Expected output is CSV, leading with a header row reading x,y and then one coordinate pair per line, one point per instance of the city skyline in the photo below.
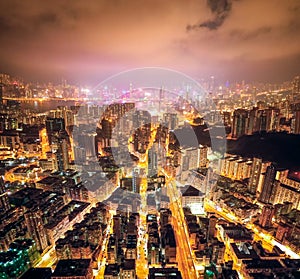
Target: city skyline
x,y
150,139
140,188
231,40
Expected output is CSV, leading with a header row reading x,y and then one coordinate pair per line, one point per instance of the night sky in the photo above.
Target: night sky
x,y
87,40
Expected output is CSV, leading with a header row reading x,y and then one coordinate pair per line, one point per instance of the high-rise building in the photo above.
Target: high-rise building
x,y
79,155
152,161
252,125
136,180
141,118
212,226
54,126
262,121
295,129
73,269
267,214
4,202
128,269
268,184
189,158
107,128
282,231
255,175
170,120
226,118
65,113
287,194
267,119
117,226
62,155
28,246
10,139
35,227
13,264
1,94
87,141
116,110
240,123
296,88
202,156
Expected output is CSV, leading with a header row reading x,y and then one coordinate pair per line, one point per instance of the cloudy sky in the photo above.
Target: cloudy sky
x,y
87,40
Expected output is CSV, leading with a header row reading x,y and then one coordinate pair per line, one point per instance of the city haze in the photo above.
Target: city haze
x,y
232,40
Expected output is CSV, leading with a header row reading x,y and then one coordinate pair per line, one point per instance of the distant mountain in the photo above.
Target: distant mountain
x,y
281,148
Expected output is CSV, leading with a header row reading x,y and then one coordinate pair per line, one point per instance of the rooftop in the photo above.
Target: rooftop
x,y
257,263
129,264
72,268
164,273
237,233
244,251
189,190
292,263
38,273
49,180
22,244
112,269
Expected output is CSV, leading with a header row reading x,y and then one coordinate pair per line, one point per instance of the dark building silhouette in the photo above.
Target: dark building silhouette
x,y
268,184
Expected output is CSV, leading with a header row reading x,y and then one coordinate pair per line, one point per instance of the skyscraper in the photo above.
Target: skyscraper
x,y
141,118
255,174
267,119
36,228
136,180
170,120
87,141
1,94
268,184
267,214
240,123
190,158
152,161
296,88
252,125
62,155
4,202
54,124
212,227
296,121
107,128
202,156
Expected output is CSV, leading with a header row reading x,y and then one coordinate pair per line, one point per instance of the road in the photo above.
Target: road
x,y
268,241
99,274
186,261
48,259
142,261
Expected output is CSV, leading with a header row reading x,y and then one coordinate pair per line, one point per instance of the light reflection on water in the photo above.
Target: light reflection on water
x,y
43,106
